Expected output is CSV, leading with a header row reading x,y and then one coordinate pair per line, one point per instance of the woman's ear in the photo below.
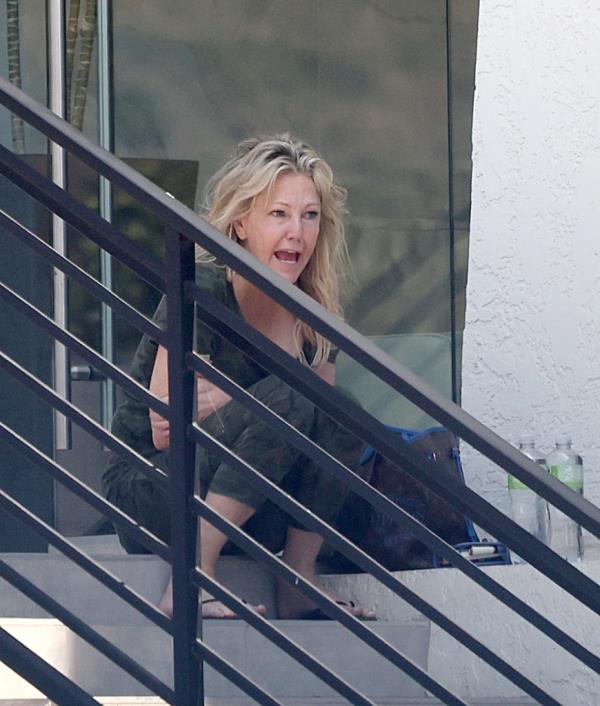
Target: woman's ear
x,y
239,230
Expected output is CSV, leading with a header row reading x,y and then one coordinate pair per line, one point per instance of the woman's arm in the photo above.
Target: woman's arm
x,y
209,398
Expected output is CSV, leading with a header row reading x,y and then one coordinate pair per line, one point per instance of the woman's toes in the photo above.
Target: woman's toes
x,y
369,614
357,611
212,608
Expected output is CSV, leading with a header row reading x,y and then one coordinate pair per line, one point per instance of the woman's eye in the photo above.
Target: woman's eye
x,y
278,212
311,215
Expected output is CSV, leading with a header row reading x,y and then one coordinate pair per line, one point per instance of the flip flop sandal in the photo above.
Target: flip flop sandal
x,y
318,614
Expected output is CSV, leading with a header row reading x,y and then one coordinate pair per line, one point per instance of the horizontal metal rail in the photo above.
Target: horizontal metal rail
x,y
69,481
277,637
43,676
359,422
106,578
73,343
82,420
49,254
87,633
202,652
379,501
83,219
360,558
181,219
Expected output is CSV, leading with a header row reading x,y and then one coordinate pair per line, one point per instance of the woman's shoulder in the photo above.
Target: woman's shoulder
x,y
211,277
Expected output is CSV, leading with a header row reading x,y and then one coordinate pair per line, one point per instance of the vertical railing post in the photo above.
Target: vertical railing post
x,y
58,163
187,673
105,191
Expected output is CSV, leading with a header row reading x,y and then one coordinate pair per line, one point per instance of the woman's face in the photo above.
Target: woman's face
x,y
281,229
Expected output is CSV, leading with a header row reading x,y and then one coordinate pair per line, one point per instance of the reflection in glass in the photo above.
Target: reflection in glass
x,y
366,82
376,106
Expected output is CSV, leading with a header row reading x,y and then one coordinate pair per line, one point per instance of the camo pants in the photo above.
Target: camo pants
x,y
260,446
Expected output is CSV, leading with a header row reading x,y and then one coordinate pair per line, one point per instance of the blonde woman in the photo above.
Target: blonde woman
x,y
279,200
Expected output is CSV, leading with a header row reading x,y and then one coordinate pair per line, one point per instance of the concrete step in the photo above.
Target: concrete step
x,y
147,575
559,673
237,642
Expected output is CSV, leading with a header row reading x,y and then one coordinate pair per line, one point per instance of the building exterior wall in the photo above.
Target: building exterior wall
x,y
530,358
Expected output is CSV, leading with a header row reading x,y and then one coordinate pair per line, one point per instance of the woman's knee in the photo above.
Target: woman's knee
x,y
148,505
285,401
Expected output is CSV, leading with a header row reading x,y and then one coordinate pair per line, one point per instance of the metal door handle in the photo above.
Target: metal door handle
x,y
85,373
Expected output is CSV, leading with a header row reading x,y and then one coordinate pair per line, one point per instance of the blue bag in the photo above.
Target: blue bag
x,y
390,543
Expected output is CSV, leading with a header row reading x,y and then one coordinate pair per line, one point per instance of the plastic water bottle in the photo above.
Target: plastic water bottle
x,y
528,509
566,465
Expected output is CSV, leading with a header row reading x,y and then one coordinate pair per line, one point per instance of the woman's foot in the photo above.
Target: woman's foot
x,y
300,553
293,605
213,609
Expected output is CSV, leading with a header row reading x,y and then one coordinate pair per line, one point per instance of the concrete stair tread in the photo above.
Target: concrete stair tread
x,y
241,645
64,581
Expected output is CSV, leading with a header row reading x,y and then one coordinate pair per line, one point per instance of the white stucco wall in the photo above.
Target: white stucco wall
x,y
532,340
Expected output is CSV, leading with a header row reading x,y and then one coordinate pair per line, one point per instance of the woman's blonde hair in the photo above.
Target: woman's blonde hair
x,y
253,170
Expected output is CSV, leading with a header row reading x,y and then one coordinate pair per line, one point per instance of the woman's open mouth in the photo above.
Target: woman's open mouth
x,y
287,256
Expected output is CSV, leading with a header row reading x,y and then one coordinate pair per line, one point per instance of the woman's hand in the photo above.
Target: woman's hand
x,y
210,398
159,387
160,428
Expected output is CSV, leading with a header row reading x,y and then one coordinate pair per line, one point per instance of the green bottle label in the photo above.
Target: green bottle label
x,y
516,484
570,474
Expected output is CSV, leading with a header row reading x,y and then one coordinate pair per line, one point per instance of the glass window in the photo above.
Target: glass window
x,y
368,84
365,82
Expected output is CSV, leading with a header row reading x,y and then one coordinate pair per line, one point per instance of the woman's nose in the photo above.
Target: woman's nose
x,y
294,229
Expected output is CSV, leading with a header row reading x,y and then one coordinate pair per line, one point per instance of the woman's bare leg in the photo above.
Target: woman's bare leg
x,y
300,553
211,543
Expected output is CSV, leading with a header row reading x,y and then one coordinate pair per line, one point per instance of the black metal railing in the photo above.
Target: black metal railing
x,y
184,231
